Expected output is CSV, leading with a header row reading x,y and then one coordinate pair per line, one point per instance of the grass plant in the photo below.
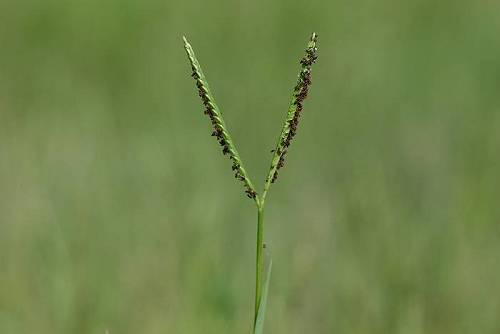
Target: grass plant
x,y
288,132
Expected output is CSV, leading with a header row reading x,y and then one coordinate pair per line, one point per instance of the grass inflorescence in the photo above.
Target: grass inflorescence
x,y
299,94
288,132
219,128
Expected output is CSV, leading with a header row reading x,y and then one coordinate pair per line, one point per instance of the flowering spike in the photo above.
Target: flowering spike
x,y
291,123
220,131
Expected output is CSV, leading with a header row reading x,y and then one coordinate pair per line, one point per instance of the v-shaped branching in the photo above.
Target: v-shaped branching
x,y
288,132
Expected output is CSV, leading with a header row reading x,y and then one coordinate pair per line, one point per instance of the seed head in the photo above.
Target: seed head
x,y
219,128
299,94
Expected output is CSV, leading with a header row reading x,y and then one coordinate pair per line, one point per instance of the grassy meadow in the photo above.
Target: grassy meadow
x,y
119,214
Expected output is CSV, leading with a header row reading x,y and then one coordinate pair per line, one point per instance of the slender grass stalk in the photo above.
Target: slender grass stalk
x,y
288,131
259,267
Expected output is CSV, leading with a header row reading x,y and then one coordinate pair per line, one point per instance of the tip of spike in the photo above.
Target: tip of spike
x,y
313,40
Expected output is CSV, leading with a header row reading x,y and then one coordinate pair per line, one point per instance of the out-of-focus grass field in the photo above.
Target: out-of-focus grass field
x,y
118,211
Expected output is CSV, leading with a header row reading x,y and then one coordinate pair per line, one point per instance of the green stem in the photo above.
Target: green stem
x,y
259,265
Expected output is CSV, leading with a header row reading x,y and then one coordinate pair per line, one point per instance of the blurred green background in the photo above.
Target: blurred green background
x,y
118,212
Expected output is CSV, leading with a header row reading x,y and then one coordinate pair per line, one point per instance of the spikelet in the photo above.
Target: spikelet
x,y
289,129
220,131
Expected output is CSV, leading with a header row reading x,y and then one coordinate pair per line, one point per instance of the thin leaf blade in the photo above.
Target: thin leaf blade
x,y
259,321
